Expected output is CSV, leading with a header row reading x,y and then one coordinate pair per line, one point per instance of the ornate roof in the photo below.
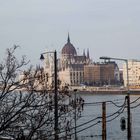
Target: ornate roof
x,y
68,48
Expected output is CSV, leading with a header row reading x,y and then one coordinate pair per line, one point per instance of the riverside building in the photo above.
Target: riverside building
x,y
75,69
99,74
71,71
70,66
133,73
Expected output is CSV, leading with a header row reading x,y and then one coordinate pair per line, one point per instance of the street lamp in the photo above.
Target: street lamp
x,y
55,92
127,97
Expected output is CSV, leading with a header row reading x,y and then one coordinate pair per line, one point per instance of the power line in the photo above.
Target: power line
x,y
109,102
116,116
135,106
118,112
135,100
83,129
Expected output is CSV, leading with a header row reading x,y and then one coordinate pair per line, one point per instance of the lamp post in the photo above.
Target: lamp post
x,y
55,92
128,94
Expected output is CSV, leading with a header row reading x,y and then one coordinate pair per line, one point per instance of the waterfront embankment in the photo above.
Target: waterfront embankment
x,y
102,90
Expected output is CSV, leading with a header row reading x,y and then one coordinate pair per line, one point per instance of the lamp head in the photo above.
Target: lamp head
x,y
105,58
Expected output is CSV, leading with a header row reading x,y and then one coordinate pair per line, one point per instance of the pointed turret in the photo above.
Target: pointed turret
x,y
88,54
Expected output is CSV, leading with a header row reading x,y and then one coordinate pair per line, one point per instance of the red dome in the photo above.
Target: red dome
x,y
69,49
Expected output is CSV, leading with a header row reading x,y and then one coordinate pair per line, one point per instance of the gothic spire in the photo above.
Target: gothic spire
x,y
88,53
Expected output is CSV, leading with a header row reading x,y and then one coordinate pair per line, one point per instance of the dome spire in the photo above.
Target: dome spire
x,y
68,38
69,49
88,54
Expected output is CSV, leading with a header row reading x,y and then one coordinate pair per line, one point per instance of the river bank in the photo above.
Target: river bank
x,y
107,91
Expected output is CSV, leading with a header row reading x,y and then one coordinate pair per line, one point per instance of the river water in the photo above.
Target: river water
x,y
93,110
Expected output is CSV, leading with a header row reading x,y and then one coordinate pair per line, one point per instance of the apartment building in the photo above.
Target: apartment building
x,y
133,73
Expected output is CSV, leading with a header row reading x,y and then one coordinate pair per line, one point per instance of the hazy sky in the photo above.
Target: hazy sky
x,y
106,27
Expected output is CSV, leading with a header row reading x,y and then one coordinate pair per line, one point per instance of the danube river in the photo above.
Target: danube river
x,y
89,126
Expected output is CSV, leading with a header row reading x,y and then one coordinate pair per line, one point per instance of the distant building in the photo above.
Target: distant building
x,y
121,76
75,69
35,79
99,74
70,66
71,71
133,73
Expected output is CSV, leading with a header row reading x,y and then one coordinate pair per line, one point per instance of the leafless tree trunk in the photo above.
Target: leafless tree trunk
x,y
26,107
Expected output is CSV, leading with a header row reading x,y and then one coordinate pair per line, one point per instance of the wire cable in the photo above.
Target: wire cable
x,y
83,129
97,103
135,106
116,116
118,111
135,100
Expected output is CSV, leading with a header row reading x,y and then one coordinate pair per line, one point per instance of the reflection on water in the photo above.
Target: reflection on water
x,y
94,111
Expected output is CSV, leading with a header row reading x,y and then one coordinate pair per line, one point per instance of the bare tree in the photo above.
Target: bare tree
x,y
26,106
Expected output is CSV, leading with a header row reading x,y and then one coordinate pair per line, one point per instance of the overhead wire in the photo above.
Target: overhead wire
x,y
132,107
99,122
108,101
83,124
116,116
135,100
83,129
118,112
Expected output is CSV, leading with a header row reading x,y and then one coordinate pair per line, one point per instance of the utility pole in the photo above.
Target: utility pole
x,y
75,90
128,106
55,93
128,118
129,135
55,97
104,121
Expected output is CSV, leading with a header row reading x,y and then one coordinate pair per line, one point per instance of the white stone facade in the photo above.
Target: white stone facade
x,y
133,73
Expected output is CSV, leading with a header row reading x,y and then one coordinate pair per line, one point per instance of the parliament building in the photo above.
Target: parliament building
x,y
76,70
